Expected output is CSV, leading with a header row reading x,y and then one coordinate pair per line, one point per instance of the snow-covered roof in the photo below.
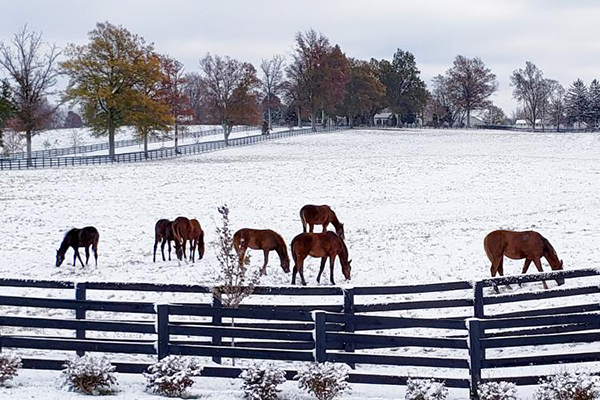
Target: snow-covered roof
x,y
383,115
521,122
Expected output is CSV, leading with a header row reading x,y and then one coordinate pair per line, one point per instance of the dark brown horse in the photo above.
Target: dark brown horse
x,y
528,245
197,240
163,234
312,215
77,238
320,245
265,240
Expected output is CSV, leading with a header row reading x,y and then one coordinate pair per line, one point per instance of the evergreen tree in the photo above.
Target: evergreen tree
x,y
6,106
405,91
557,112
577,103
594,103
106,75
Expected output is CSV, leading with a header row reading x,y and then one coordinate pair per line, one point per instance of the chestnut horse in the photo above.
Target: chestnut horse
x,y
321,245
197,241
163,234
529,245
312,215
265,240
77,238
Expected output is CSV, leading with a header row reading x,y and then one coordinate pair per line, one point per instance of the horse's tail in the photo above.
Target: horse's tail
x,y
303,218
294,241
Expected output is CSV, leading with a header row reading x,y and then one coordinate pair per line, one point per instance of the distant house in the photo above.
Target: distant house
x,y
384,119
474,121
521,123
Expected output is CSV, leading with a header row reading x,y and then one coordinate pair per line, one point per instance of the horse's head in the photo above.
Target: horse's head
x,y
559,267
285,264
60,257
179,250
340,231
346,269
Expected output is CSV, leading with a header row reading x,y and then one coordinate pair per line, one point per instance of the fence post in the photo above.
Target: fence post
x,y
162,330
478,310
475,354
320,336
217,320
80,295
349,323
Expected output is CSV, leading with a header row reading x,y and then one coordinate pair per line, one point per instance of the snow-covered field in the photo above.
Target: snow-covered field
x,y
416,205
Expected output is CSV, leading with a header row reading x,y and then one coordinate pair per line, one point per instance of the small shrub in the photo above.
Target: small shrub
x,y
89,375
425,389
9,367
569,386
325,381
497,391
261,381
172,376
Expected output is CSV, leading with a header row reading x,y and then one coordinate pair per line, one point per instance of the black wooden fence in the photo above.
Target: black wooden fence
x,y
339,328
165,152
90,148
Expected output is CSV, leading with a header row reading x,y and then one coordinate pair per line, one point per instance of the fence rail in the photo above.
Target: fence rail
x,y
156,154
345,333
182,135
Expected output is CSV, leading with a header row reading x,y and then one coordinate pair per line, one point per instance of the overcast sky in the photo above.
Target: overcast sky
x,y
561,37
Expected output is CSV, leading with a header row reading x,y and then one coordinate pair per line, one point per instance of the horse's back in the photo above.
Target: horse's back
x,y
258,238
88,235
514,244
315,213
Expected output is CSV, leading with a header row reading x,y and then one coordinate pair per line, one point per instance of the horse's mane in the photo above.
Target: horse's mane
x,y
548,247
345,248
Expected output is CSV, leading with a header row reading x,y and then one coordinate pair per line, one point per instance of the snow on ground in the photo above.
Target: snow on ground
x,y
416,206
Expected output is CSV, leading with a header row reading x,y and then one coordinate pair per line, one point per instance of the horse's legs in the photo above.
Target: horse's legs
x,y
95,248
162,248
525,268
169,243
538,265
183,248
263,271
87,254
323,260
331,264
77,255
192,248
155,245
311,228
494,269
298,267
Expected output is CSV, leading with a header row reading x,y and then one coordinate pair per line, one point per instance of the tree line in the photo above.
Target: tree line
x,y
117,79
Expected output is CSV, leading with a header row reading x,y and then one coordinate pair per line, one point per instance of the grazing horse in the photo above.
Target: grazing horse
x,y
529,245
265,240
312,215
77,238
197,239
163,234
321,245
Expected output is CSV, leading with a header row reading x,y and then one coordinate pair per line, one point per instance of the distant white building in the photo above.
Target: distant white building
x,y
523,123
384,119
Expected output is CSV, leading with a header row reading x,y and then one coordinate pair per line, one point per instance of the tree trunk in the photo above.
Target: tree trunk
x,y
468,118
397,120
226,134
29,148
145,144
323,123
270,123
299,114
176,138
313,119
111,138
351,121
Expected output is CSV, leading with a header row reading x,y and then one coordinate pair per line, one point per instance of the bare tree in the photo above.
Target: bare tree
x,y
12,142
532,90
557,110
33,73
471,84
231,96
272,82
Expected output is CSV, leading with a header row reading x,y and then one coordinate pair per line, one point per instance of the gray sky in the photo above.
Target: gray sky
x,y
561,37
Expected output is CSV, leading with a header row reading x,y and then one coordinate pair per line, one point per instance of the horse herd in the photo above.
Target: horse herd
x,y
528,245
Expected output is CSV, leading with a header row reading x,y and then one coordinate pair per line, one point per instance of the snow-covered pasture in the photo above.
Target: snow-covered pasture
x,y
416,207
